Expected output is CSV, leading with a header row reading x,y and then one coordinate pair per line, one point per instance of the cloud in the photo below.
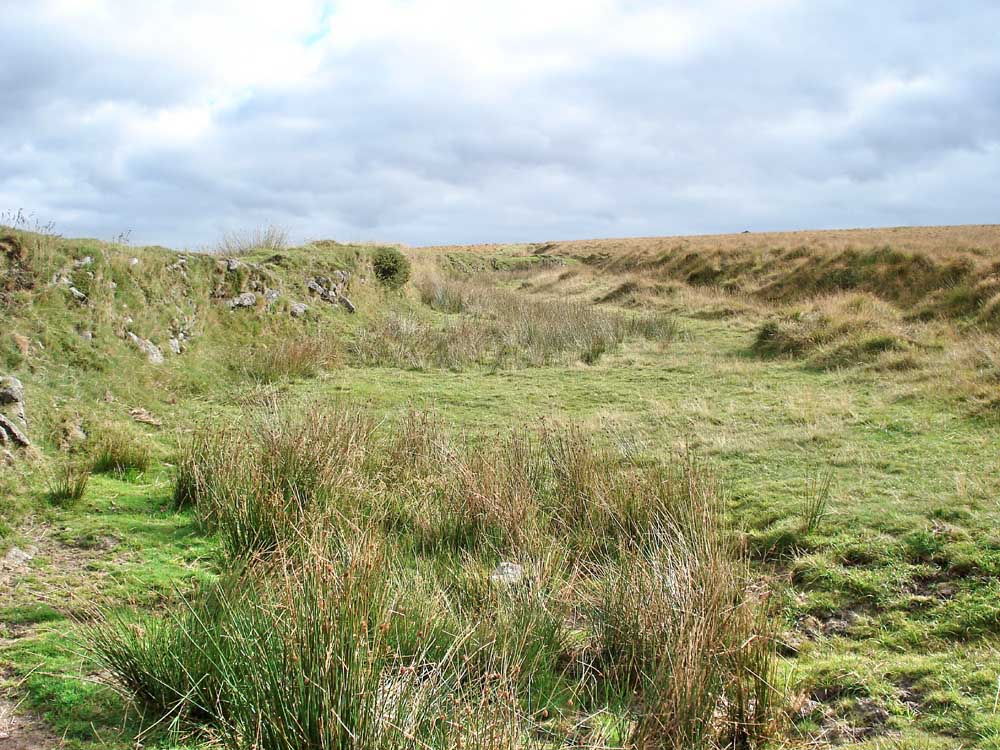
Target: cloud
x,y
429,121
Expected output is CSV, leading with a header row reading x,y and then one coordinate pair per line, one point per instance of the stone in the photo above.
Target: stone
x,y
16,557
247,299
271,296
84,261
133,262
12,396
348,305
232,264
80,296
10,432
143,416
298,309
72,435
11,390
151,350
507,573
175,345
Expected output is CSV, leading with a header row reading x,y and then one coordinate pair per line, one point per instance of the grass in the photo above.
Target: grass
x,y
69,483
121,451
243,242
340,601
852,494
287,357
487,326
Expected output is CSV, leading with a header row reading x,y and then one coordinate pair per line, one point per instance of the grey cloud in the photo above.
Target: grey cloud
x,y
759,127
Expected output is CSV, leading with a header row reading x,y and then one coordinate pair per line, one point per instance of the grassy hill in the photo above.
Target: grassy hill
x,y
677,492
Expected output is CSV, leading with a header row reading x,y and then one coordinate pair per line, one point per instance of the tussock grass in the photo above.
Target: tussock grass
x,y
245,241
363,608
121,451
68,483
836,331
498,328
293,355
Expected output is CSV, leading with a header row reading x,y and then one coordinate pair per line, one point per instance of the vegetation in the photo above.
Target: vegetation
x,y
364,587
574,494
391,267
69,483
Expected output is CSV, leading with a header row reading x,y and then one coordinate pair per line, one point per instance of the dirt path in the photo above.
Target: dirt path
x,y
19,729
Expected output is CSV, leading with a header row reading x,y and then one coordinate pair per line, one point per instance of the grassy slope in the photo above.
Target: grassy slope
x,y
892,597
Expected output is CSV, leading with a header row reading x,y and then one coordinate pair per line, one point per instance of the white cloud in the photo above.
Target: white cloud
x,y
435,121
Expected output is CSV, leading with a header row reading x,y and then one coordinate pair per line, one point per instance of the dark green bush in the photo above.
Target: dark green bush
x,y
391,267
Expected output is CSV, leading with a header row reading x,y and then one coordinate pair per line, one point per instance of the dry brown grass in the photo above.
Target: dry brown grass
x,y
948,272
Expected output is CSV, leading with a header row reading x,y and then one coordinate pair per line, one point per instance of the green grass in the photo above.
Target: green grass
x,y
885,593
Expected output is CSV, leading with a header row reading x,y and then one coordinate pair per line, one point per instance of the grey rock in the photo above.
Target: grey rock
x,y
84,261
348,305
11,390
297,309
507,573
133,262
232,264
17,557
12,395
271,296
72,435
10,433
78,294
247,299
175,345
151,350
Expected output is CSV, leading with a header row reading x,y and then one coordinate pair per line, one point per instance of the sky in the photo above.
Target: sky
x,y
462,121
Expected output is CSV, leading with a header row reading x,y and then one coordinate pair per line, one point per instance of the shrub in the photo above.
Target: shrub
x,y
391,267
68,484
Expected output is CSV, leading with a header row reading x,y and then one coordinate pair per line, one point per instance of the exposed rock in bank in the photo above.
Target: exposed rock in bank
x,y
332,290
247,299
151,350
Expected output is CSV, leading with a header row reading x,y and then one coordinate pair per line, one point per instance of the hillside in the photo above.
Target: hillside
x,y
733,491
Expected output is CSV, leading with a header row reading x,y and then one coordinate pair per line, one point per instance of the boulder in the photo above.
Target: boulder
x,y
298,309
11,391
348,305
247,299
271,296
151,350
10,433
12,403
332,290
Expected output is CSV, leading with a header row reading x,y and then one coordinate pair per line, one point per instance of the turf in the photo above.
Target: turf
x,y
866,496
